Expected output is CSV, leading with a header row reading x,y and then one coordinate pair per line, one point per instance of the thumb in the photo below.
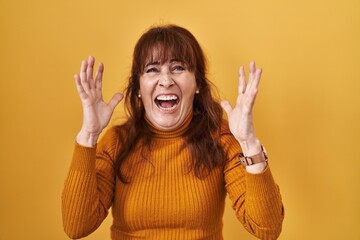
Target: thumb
x,y
115,100
226,106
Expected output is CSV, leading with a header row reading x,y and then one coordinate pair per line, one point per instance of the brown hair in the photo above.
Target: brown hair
x,y
203,135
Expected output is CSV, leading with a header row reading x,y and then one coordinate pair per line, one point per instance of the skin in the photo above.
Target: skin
x,y
164,80
96,112
167,79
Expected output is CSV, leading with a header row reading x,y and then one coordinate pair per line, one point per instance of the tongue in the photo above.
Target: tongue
x,y
166,104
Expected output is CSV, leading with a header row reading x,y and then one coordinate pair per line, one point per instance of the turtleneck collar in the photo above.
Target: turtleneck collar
x,y
179,131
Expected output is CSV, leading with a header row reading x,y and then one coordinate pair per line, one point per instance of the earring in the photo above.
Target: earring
x,y
139,96
197,91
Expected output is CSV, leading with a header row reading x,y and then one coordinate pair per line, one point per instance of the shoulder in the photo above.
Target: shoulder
x,y
110,134
112,138
115,132
225,127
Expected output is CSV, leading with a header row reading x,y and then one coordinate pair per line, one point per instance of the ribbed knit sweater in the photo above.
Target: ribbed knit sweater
x,y
163,199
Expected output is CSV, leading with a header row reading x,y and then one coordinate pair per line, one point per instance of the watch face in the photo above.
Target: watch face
x,y
242,159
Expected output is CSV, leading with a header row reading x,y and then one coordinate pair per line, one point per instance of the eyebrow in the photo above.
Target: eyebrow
x,y
158,63
175,60
152,63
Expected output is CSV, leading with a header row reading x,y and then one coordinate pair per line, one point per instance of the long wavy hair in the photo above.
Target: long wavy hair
x,y
203,136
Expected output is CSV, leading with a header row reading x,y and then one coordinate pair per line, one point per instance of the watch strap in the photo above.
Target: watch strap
x,y
251,160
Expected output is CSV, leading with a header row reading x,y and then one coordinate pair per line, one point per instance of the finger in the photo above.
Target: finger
x,y
226,106
79,87
254,77
254,82
257,76
90,71
115,100
251,73
258,73
98,77
250,101
83,77
252,67
252,91
242,81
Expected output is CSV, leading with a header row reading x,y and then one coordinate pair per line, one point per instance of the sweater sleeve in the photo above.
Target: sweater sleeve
x,y
89,186
255,198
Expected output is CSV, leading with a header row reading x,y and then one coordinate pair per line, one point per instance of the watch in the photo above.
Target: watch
x,y
258,158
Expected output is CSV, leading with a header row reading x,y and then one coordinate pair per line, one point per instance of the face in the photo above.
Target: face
x,y
167,91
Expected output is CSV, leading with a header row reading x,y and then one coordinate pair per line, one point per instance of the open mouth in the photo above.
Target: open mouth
x,y
167,102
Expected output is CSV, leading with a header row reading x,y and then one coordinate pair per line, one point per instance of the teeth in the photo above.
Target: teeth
x,y
167,97
168,109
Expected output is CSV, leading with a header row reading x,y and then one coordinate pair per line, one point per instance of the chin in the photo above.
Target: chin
x,y
169,119
168,124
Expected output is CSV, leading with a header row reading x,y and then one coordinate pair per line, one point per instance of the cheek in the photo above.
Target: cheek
x,y
147,83
145,92
144,87
188,97
146,99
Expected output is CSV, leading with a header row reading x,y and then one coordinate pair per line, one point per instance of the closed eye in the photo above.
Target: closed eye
x,y
178,68
150,70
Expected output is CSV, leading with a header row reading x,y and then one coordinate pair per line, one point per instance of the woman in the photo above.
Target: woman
x,y
166,171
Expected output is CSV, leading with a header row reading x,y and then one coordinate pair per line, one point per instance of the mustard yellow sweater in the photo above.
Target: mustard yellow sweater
x,y
163,199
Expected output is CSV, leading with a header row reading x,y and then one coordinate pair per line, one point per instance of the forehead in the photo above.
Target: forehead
x,y
163,49
161,55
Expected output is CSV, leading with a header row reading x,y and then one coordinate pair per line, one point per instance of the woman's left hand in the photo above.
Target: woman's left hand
x,y
241,116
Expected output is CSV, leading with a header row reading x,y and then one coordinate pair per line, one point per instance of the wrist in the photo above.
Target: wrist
x,y
254,163
251,146
86,138
256,168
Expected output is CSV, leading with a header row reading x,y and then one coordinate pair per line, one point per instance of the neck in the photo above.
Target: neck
x,y
177,132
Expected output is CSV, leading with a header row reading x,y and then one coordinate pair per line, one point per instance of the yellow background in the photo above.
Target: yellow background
x,y
307,112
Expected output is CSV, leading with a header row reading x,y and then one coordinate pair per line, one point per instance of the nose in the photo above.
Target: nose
x,y
166,80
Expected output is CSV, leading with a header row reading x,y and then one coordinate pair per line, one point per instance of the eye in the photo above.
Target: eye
x,y
178,68
150,70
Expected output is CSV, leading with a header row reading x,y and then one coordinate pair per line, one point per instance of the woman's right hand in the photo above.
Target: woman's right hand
x,y
96,112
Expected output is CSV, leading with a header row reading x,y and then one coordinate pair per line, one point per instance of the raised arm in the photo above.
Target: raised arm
x,y
89,186
255,195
